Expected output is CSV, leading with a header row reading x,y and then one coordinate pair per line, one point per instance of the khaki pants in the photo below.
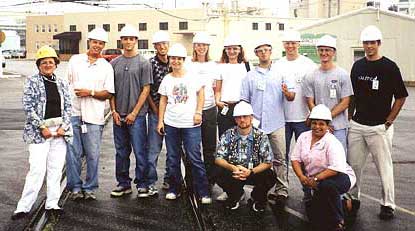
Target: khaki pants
x,y
277,141
377,141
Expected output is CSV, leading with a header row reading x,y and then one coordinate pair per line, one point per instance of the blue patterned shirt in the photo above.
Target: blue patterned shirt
x,y
160,69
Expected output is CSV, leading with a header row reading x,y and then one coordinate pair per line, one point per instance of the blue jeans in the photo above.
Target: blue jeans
x,y
295,128
84,144
341,135
191,138
153,149
129,138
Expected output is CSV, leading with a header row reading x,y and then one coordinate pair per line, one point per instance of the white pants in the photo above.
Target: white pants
x,y
46,158
377,141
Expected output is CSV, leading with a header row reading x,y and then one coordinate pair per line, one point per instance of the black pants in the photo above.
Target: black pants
x,y
262,183
209,141
226,121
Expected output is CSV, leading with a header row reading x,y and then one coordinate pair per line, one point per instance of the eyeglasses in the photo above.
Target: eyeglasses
x,y
263,50
232,48
327,50
47,63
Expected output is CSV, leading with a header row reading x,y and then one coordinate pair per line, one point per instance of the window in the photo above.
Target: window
x,y
43,28
55,27
37,45
120,26
254,26
49,28
106,27
280,26
37,28
119,44
73,28
358,54
142,26
142,44
183,25
91,27
267,26
164,26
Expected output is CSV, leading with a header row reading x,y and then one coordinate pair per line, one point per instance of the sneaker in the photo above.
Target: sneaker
x,y
19,215
165,186
89,196
258,207
206,200
171,196
121,191
75,196
222,197
152,190
142,192
386,213
233,205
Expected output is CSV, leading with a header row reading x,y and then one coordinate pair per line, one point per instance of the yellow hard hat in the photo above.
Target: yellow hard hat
x,y
46,52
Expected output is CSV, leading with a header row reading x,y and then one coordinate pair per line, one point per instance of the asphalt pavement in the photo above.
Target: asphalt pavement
x,y
131,213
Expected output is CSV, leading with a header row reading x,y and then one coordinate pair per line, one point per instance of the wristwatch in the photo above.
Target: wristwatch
x,y
388,123
315,179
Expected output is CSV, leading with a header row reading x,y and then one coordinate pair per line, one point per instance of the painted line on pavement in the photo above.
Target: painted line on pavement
x,y
401,209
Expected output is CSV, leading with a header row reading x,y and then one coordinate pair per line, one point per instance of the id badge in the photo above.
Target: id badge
x,y
260,85
333,93
250,165
84,128
299,80
375,84
225,110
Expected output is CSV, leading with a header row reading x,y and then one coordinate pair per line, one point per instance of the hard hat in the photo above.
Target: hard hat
x,y
46,52
201,37
370,33
242,108
320,112
98,34
128,31
326,41
291,36
261,42
232,40
177,50
161,36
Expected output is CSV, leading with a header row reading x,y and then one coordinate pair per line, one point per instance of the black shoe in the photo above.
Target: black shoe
x,y
277,200
19,215
386,213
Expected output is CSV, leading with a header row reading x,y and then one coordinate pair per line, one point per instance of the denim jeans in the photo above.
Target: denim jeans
x,y
209,141
153,149
295,128
326,205
191,138
129,138
84,144
341,135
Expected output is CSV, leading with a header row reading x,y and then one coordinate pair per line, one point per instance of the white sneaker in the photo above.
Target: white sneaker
x,y
171,196
206,200
222,197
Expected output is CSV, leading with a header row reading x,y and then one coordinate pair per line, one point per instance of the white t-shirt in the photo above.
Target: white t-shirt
x,y
231,76
98,76
181,99
206,73
295,72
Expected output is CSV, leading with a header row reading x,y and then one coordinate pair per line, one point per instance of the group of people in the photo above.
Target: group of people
x,y
191,101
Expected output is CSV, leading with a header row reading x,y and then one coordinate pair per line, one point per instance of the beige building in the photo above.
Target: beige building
x,y
323,8
397,29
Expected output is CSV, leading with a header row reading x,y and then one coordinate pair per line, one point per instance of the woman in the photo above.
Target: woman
x,y
326,171
180,116
233,68
205,73
47,105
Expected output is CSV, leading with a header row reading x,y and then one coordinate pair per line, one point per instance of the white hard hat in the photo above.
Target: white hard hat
x,y
128,31
242,108
177,50
98,34
326,41
161,36
261,42
232,40
291,36
320,112
202,37
370,33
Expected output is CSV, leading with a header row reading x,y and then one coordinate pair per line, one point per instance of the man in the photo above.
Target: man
x,y
160,68
244,157
92,80
132,75
331,86
376,81
265,91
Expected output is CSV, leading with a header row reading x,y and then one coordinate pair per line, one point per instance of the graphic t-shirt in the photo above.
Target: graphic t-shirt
x,y
181,95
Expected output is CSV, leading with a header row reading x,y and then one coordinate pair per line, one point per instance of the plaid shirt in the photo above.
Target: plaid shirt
x,y
160,69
